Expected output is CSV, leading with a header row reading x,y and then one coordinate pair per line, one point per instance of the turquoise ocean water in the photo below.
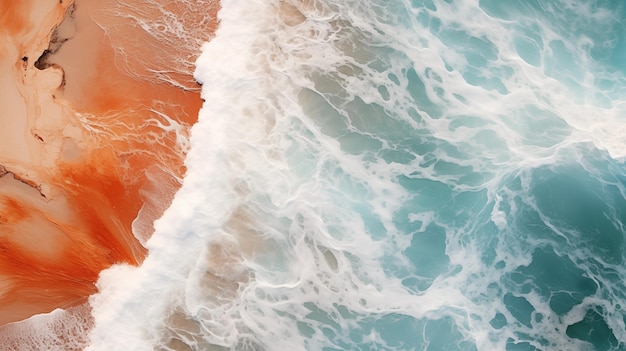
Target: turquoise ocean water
x,y
394,175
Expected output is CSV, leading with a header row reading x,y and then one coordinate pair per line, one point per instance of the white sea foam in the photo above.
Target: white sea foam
x,y
145,307
255,234
59,330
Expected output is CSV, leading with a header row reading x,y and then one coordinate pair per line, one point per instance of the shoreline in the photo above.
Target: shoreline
x,y
88,153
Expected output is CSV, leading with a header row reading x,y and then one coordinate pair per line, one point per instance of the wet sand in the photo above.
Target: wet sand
x,y
97,101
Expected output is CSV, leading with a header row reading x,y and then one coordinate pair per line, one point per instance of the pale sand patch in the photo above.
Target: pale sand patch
x,y
20,143
13,133
76,51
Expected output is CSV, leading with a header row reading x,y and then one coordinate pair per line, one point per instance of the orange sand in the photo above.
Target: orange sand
x,y
89,133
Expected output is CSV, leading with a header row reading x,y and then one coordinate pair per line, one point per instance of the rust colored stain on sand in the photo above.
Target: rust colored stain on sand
x,y
13,16
131,122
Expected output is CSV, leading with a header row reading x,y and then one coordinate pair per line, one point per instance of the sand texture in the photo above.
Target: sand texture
x,y
97,101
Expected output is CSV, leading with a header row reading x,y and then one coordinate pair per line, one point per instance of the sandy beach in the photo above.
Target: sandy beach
x,y
97,101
